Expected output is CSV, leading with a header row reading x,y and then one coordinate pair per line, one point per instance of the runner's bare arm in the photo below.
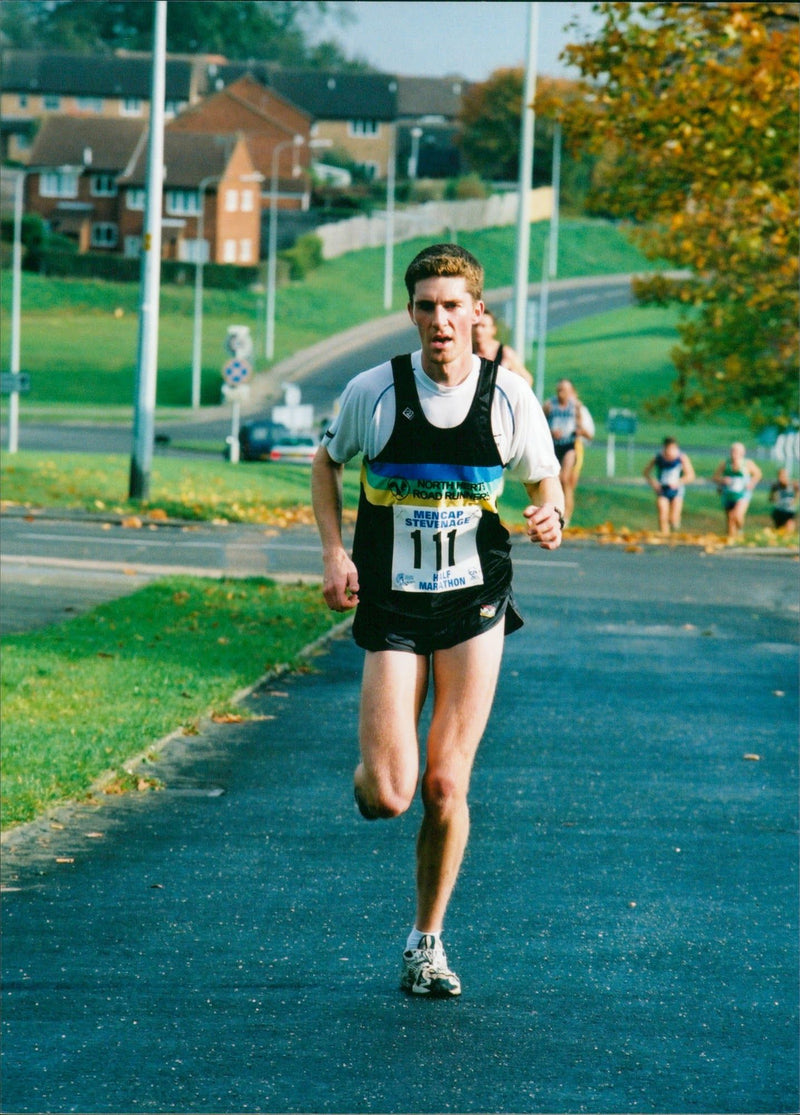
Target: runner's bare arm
x,y
340,577
545,513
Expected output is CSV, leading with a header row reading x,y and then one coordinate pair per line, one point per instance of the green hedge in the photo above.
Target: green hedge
x,y
96,265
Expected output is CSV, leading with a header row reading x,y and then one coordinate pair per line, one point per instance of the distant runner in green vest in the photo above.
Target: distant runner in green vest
x,y
736,478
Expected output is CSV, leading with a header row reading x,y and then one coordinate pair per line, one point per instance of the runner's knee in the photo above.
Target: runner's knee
x,y
382,798
441,793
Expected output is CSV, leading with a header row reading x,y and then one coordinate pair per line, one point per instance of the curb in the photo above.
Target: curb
x,y
64,811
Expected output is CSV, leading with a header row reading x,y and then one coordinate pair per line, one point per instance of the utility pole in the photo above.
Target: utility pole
x,y
523,253
549,265
147,354
388,258
553,268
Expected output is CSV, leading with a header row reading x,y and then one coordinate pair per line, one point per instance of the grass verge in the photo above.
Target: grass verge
x,y
79,337
81,698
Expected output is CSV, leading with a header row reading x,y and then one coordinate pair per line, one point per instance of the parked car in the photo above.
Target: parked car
x,y
257,438
297,449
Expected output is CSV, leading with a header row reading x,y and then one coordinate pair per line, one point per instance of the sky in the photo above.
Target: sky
x,y
471,38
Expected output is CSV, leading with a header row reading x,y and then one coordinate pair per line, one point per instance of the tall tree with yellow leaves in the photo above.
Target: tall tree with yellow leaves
x,y
692,110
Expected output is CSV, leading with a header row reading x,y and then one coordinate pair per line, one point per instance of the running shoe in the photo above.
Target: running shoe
x,y
425,971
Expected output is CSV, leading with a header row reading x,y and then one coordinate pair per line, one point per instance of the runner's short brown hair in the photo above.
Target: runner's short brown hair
x,y
447,260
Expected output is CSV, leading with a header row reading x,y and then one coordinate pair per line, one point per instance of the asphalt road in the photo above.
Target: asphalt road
x,y
625,926
321,374
54,567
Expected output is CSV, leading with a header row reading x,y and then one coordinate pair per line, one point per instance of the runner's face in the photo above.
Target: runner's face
x,y
483,332
444,312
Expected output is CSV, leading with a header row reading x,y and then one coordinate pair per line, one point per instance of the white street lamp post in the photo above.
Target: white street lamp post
x,y
16,297
413,162
197,331
527,126
16,303
272,248
388,256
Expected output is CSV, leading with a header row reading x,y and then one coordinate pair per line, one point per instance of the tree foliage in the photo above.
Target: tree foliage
x,y
490,135
237,29
692,110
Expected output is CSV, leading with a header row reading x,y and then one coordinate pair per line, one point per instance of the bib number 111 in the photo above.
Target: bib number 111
x,y
440,540
435,553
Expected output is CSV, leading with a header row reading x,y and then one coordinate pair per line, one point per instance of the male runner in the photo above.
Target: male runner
x,y
430,574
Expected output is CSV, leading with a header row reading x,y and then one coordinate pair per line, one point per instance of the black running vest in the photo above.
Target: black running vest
x,y
428,539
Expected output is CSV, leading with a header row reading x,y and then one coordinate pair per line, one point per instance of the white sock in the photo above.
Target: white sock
x,y
415,937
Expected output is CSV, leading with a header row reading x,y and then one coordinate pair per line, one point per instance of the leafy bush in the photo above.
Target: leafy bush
x,y
463,189
305,256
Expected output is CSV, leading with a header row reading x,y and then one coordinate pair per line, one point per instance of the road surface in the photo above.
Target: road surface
x,y
321,372
625,925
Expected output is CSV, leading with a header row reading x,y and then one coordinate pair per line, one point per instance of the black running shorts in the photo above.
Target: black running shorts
x,y
377,628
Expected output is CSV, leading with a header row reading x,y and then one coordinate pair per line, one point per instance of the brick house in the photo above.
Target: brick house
x,y
72,178
354,112
365,115
215,171
87,179
36,84
266,120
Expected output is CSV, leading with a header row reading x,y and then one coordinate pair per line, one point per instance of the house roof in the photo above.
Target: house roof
x,y
252,105
430,96
326,95
64,140
91,75
188,158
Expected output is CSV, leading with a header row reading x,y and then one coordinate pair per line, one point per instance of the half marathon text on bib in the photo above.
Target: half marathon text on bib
x,y
435,549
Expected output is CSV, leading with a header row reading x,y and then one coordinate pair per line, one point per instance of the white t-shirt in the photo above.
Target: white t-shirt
x,y
367,410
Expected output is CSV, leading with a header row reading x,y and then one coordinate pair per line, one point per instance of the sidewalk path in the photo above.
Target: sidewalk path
x,y
625,926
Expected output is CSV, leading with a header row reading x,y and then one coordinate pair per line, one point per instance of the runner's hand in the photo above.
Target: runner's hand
x,y
544,525
340,582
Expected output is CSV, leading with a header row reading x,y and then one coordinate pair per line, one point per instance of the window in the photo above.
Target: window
x,y
133,247
245,251
89,104
247,201
231,201
371,169
172,108
51,102
134,200
23,100
131,106
103,185
183,203
229,251
363,127
58,183
104,235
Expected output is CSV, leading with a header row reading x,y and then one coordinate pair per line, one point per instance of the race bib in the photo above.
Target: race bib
x,y
435,549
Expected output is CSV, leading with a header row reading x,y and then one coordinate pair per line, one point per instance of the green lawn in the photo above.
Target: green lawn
x,y
79,338
83,697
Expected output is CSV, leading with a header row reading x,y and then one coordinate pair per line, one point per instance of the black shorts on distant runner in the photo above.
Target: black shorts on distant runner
x,y
377,628
562,450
